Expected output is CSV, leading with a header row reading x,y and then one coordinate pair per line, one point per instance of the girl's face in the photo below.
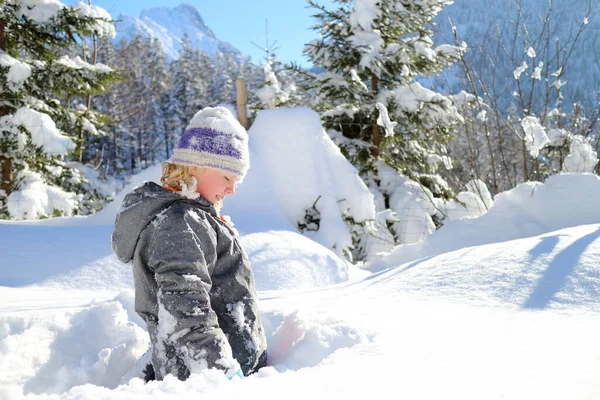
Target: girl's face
x,y
214,185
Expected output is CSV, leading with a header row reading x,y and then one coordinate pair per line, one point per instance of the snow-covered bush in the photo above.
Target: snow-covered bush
x,y
517,125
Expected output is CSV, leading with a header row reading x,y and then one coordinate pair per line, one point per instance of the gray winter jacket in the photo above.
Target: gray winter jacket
x,y
193,283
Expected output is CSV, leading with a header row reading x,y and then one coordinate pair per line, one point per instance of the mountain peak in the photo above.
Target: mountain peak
x,y
169,25
184,15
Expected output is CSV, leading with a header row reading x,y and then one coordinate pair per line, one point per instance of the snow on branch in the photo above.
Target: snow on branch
x,y
78,63
18,71
384,120
35,199
39,11
43,131
364,14
582,157
103,25
535,135
44,11
414,97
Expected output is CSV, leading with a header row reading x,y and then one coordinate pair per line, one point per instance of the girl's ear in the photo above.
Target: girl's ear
x,y
193,171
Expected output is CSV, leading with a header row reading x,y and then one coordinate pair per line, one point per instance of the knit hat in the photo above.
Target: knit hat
x,y
214,139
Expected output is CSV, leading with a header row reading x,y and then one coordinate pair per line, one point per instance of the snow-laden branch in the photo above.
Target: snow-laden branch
x,y
42,129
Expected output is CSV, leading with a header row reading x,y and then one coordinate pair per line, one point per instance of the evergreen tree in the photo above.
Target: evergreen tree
x,y
199,69
109,103
154,86
42,86
372,54
131,94
139,106
159,91
181,93
278,87
222,86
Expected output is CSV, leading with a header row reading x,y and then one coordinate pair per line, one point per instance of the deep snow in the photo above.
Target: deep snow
x,y
503,306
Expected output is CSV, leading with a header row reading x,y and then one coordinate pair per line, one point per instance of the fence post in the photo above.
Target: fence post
x,y
240,85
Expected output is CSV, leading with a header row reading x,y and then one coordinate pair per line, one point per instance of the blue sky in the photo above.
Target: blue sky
x,y
241,22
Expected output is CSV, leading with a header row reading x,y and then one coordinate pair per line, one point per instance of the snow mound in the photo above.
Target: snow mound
x,y
307,169
302,340
557,270
96,345
283,260
530,209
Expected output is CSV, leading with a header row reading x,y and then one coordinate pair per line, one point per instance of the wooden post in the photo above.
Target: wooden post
x,y
240,85
6,178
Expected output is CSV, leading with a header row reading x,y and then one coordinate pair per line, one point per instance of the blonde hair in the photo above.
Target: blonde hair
x,y
174,175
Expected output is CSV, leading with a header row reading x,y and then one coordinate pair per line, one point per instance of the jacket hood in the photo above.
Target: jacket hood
x,y
138,209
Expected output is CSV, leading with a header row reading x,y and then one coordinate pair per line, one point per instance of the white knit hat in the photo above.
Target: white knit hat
x,y
214,139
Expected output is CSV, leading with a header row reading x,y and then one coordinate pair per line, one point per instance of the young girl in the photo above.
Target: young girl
x,y
193,283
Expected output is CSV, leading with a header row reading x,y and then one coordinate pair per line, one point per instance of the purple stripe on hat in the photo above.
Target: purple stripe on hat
x,y
210,141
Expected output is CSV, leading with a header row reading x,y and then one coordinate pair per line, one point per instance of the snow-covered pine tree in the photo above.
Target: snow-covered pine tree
x,y
159,76
117,105
222,86
203,71
271,94
132,105
371,54
278,87
180,96
153,87
40,86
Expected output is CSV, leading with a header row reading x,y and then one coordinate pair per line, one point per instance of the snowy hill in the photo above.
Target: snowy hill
x,y
169,25
502,306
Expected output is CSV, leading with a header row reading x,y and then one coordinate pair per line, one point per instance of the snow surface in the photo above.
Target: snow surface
x,y
501,306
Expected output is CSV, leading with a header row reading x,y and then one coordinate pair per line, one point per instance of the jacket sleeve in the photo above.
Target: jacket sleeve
x,y
182,255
